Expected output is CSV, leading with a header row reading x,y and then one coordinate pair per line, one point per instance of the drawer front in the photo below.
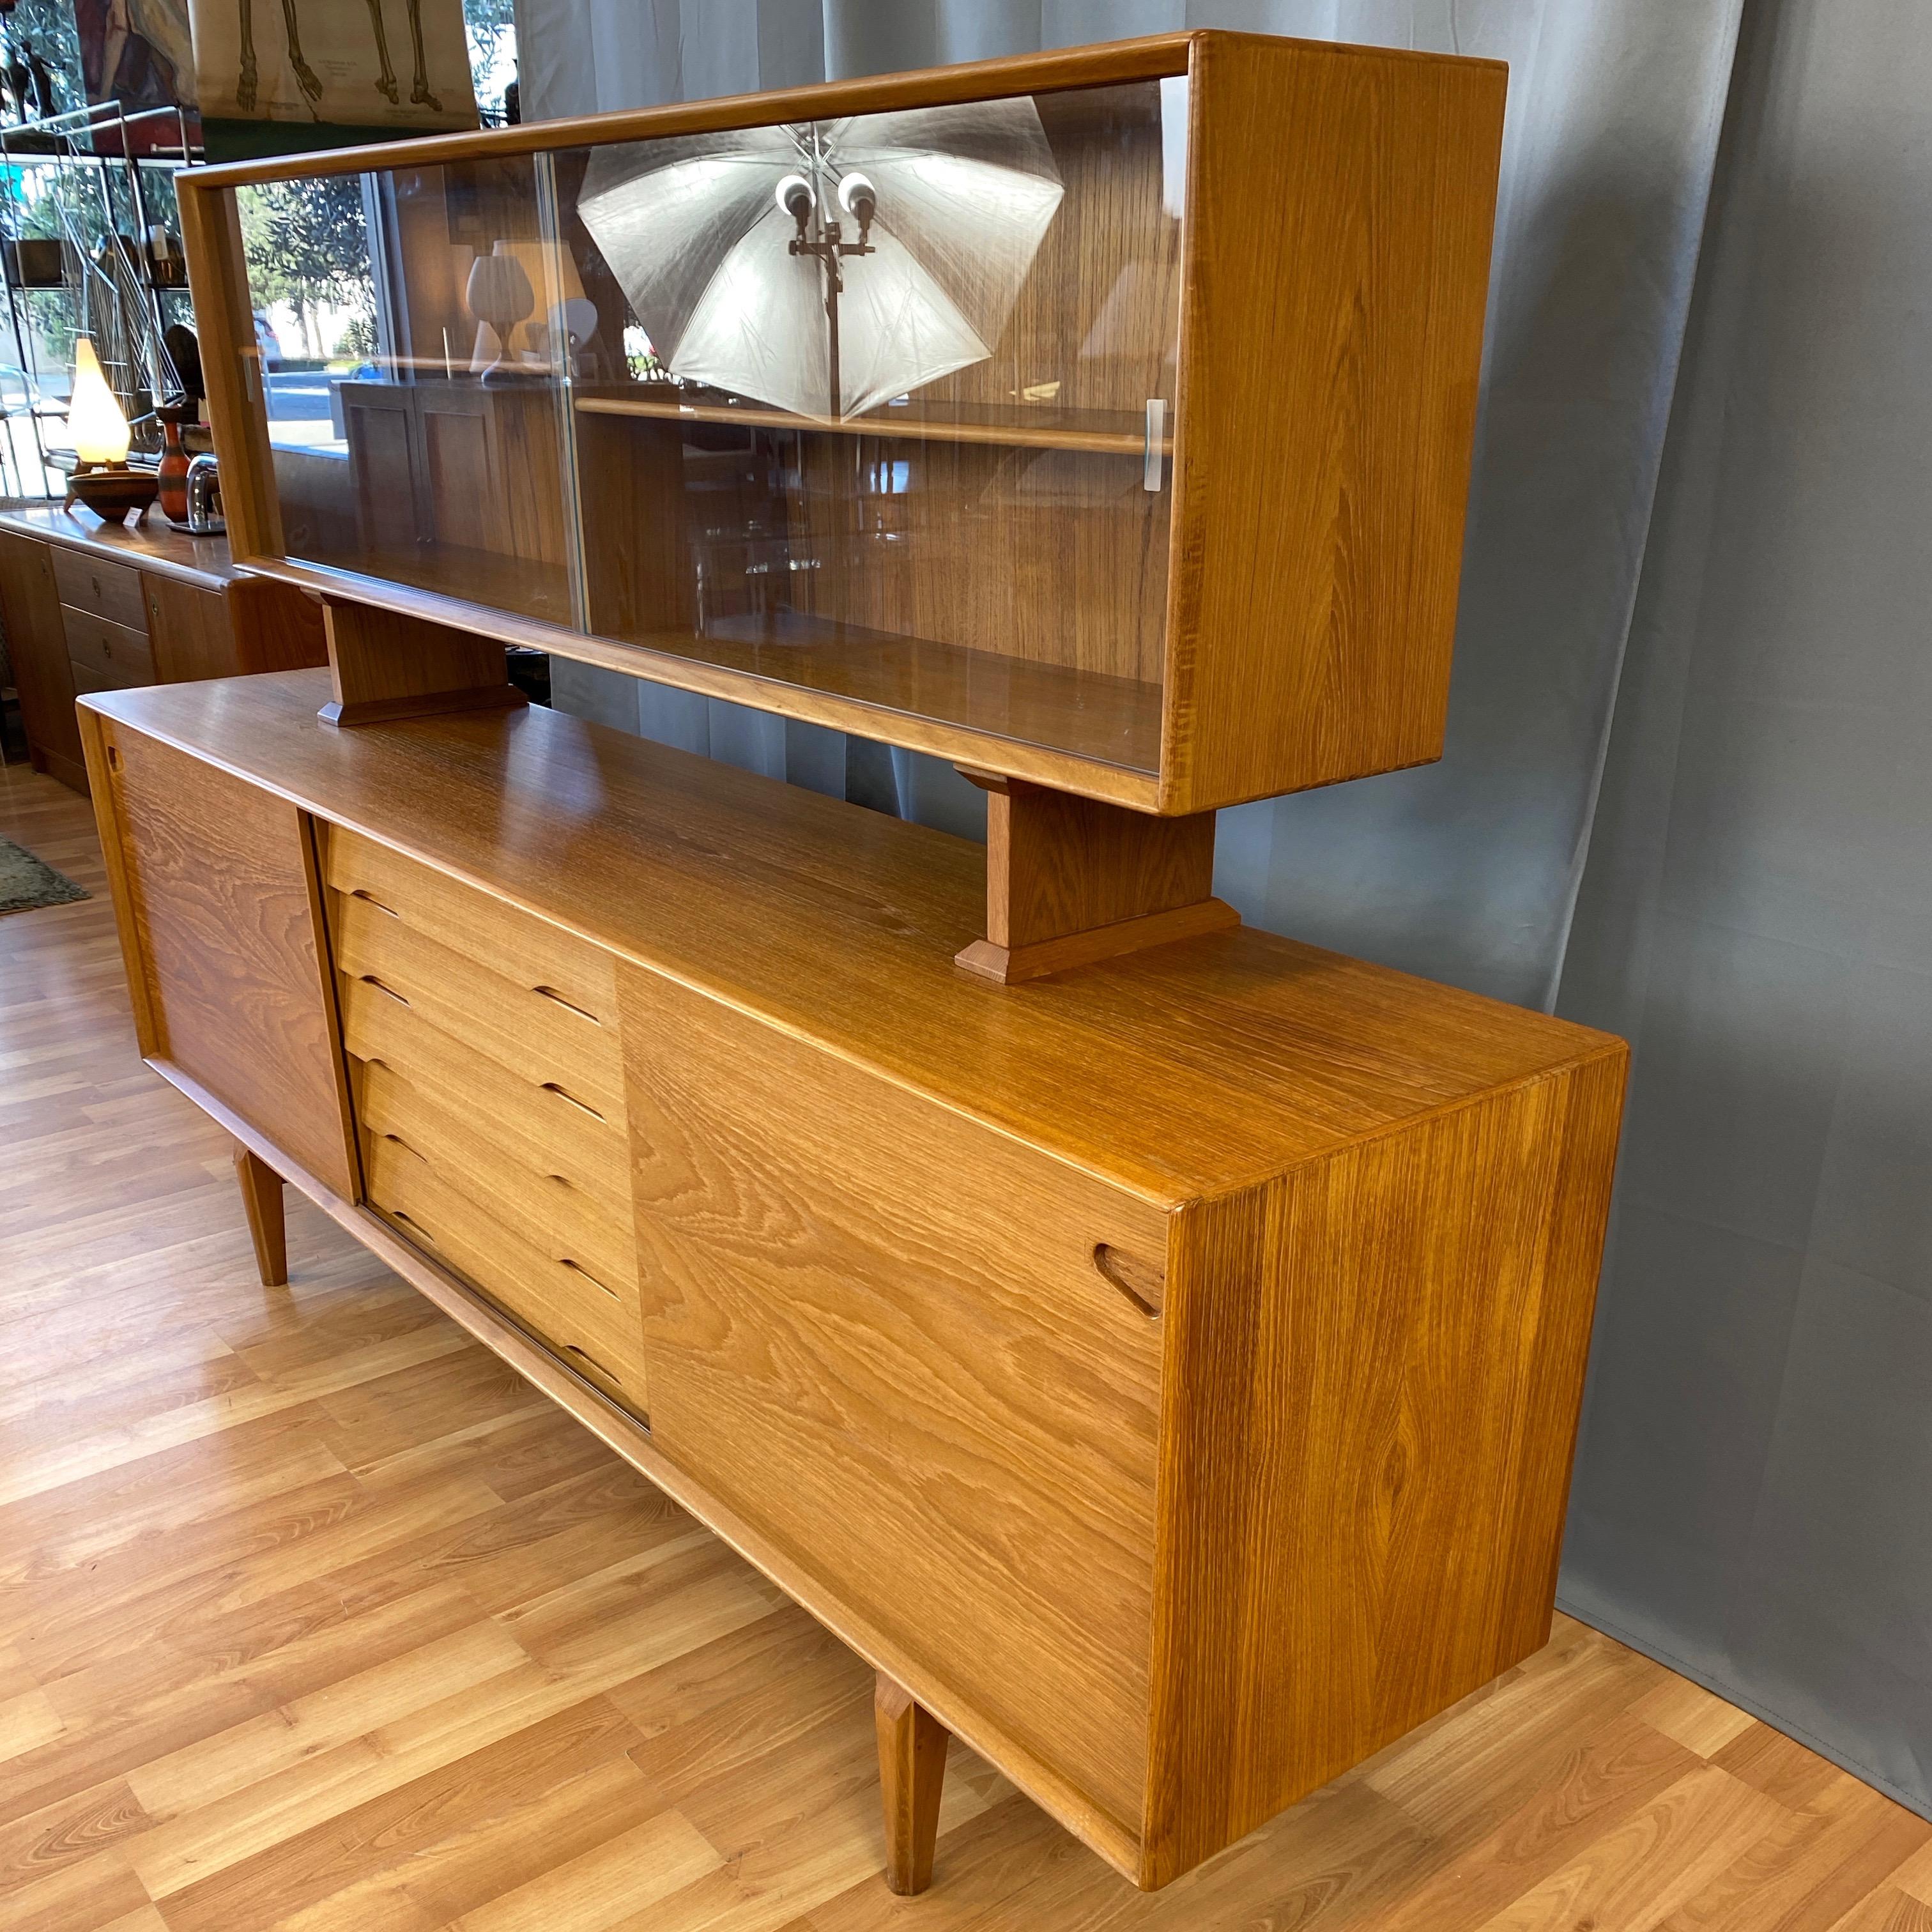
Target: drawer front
x,y
85,678
481,929
490,1104
878,1331
584,1323
538,1204
110,650
538,1036
535,1123
101,589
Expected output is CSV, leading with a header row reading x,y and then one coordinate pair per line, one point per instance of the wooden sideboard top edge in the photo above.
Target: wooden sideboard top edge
x,y
152,544
1185,1072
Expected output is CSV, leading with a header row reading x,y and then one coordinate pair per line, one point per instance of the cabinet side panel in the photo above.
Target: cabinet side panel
x,y
30,610
1340,208
221,891
876,1331
1375,1363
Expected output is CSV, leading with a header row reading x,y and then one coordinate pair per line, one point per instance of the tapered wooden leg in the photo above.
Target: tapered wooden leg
x,y
912,1771
261,1196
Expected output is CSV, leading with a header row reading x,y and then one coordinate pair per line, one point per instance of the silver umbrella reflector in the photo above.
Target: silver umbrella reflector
x,y
825,267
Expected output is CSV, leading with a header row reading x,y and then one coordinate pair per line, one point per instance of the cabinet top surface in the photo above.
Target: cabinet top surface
x,y
151,544
1182,1072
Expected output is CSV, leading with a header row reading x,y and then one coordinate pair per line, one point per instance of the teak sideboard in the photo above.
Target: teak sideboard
x,y
1165,1375
93,606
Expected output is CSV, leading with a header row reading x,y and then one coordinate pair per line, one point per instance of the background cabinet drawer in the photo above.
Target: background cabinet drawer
x,y
113,652
110,590
878,1330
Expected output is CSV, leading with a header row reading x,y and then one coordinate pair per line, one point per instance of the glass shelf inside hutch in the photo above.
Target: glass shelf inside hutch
x,y
881,407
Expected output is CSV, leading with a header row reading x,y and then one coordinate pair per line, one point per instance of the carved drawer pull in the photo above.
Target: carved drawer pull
x,y
410,1221
368,898
568,1006
370,979
577,1267
585,1355
582,1106
1144,1283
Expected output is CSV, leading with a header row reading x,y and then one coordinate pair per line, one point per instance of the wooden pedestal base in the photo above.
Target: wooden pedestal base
x,y
912,1773
383,665
262,1198
1071,880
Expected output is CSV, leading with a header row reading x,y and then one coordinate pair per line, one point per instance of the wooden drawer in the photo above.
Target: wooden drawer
x,y
112,651
490,1101
879,1330
536,1124
539,1205
85,678
592,1328
102,589
482,929
537,1035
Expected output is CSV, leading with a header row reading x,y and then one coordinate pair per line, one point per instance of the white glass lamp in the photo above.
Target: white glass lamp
x,y
97,428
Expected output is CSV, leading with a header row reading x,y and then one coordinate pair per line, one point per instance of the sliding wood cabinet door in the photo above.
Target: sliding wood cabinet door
x,y
219,900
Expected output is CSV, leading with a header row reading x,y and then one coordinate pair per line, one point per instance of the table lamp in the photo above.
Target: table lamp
x,y
97,428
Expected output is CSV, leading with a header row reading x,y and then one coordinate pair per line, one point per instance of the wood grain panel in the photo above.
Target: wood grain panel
x,y
1325,418
1375,1365
30,609
276,627
384,664
189,631
932,1395
219,885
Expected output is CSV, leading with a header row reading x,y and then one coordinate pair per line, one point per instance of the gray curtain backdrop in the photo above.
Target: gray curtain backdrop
x,y
1739,877
1754,1498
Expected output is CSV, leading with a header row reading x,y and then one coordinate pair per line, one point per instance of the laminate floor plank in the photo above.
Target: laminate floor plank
x,y
314,1618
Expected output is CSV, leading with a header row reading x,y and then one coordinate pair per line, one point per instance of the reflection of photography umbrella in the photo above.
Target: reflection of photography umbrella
x,y
750,269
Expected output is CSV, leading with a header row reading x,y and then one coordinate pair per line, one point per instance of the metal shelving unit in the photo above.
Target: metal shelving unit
x,y
89,243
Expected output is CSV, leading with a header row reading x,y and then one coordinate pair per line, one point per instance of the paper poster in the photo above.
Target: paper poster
x,y
403,64
135,52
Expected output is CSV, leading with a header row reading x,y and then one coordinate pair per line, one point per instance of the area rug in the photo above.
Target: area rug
x,y
26,882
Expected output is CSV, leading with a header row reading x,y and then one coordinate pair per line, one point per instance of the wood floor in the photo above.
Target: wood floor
x,y
311,1616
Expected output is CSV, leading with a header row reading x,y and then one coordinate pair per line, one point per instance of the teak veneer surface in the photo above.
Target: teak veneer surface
x,y
320,1617
1196,1069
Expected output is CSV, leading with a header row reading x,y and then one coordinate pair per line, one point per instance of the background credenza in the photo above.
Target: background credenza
x,y
1165,1375
94,606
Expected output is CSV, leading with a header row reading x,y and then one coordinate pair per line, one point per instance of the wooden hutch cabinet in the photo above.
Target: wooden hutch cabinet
x,y
1154,1345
